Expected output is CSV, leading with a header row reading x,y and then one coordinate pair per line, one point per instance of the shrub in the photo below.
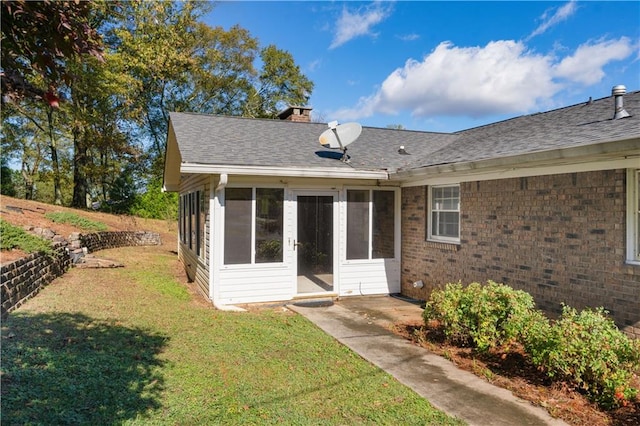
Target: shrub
x,y
486,316
74,219
588,349
15,237
585,349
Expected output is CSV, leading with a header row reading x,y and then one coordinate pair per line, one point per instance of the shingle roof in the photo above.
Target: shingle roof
x,y
210,139
579,125
223,140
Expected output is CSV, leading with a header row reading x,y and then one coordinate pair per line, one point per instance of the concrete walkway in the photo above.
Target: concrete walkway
x,y
361,323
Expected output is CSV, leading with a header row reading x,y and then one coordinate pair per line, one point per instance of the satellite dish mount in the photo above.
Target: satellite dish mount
x,y
333,126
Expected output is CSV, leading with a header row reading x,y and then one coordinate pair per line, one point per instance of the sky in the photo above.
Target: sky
x,y
447,66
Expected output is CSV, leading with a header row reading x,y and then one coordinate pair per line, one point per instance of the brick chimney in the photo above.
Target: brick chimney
x,y
296,113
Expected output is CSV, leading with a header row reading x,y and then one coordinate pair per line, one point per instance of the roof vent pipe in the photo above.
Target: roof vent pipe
x,y
618,93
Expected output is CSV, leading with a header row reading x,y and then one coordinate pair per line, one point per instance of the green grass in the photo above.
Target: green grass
x,y
15,237
134,346
74,219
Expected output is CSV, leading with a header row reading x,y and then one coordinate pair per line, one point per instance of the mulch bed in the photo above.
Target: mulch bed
x,y
513,371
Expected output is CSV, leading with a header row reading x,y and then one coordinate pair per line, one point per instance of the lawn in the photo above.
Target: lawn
x,y
135,345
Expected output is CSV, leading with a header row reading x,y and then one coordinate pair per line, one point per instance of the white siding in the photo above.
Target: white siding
x,y
255,283
378,276
237,284
196,266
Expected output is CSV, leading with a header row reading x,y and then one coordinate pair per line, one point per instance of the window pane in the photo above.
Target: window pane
x,y
237,226
269,225
383,224
201,224
357,224
444,224
445,212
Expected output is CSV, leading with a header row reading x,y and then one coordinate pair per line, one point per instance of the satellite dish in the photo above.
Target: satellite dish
x,y
339,136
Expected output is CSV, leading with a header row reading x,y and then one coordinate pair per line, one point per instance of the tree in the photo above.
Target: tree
x,y
63,31
280,84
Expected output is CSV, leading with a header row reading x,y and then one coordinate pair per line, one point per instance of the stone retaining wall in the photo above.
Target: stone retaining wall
x,y
107,240
24,278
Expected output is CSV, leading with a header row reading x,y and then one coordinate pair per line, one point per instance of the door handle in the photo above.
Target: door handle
x,y
296,244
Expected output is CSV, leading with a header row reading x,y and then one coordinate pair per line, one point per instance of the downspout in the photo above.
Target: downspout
x,y
224,178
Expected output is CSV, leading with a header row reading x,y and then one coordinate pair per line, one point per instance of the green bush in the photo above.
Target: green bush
x,y
486,316
15,237
74,219
156,204
585,349
588,349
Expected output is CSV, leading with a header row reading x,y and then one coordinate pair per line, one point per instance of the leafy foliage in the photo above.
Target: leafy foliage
x,y
155,204
74,219
584,348
62,30
15,237
588,349
486,316
131,62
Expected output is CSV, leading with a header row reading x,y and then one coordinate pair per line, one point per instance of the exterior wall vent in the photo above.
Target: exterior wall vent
x,y
618,94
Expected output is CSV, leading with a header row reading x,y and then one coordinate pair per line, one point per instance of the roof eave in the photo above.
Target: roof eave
x,y
627,149
278,171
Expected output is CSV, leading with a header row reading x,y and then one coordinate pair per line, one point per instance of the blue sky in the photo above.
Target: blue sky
x,y
447,66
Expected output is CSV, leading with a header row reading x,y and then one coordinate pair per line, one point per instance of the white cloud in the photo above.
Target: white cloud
x,y
561,14
314,65
472,81
585,65
408,37
503,77
361,22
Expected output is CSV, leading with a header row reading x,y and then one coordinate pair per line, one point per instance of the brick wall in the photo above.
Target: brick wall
x,y
559,237
24,278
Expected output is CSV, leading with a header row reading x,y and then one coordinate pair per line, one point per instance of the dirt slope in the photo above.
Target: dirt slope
x,y
26,213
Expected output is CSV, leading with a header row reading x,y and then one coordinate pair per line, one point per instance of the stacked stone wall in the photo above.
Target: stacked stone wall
x,y
559,237
106,240
24,278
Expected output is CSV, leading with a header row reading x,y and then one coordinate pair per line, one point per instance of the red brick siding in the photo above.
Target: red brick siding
x,y
559,237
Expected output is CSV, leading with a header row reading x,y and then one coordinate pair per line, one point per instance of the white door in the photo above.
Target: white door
x,y
315,247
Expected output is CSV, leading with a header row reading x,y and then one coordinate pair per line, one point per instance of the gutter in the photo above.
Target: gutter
x,y
627,150
275,171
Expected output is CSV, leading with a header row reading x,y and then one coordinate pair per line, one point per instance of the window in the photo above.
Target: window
x,y
201,224
633,216
253,225
357,224
444,213
192,216
370,224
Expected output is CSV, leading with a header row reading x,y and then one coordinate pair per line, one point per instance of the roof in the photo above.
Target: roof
x,y
213,140
584,124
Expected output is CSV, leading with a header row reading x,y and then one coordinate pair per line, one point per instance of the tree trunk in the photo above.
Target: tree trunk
x,y
80,160
57,191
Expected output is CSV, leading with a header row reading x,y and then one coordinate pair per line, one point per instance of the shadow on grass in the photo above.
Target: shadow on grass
x,y
66,368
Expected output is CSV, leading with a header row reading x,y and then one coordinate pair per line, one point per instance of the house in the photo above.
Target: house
x,y
546,202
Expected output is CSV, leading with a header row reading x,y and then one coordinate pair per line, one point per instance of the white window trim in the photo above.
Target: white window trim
x,y
254,190
633,217
438,238
396,206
